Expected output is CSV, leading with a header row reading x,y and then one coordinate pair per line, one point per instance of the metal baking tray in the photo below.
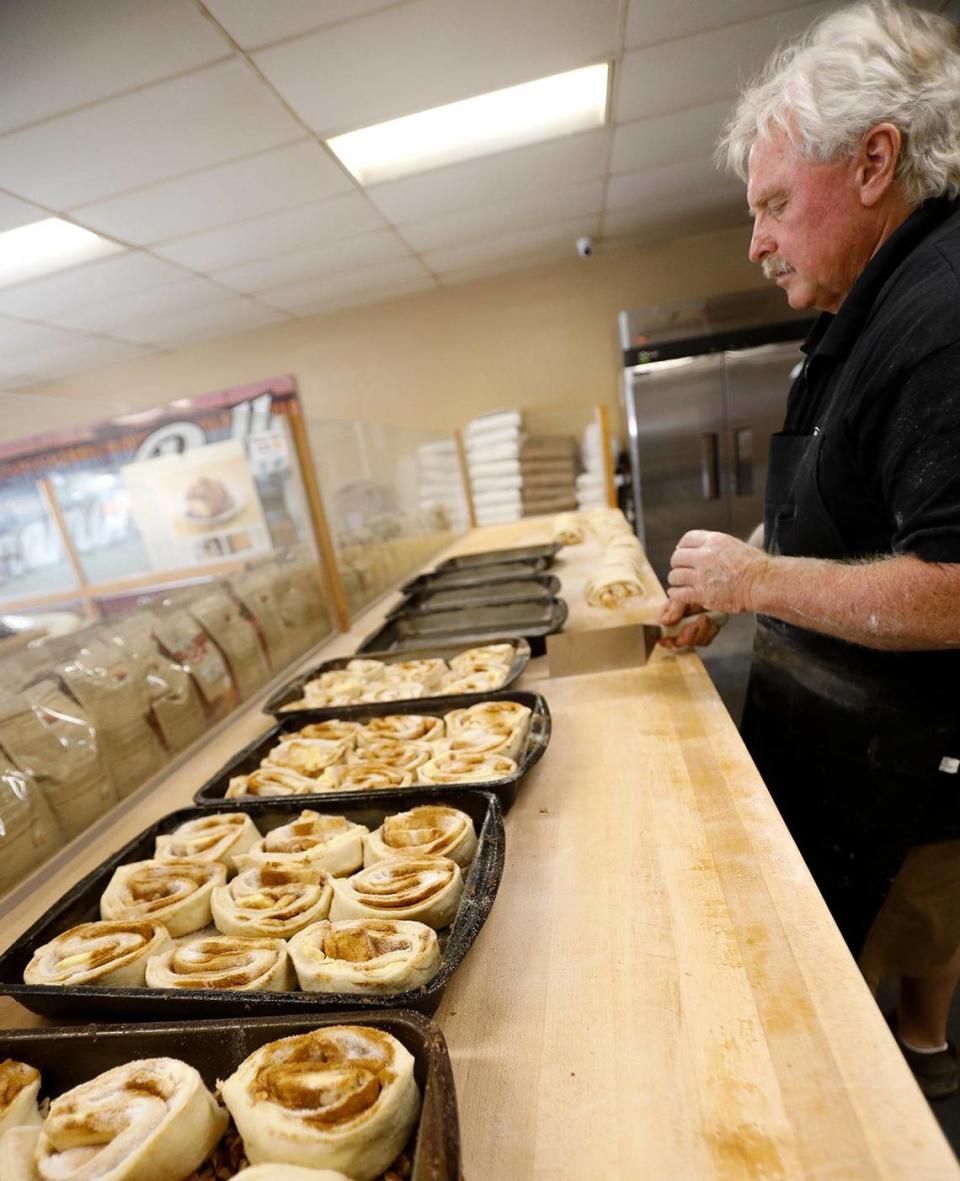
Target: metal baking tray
x,y
477,624
538,588
82,905
471,575
522,553
247,760
68,1057
293,690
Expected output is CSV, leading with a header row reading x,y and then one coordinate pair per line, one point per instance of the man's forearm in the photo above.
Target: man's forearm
x,y
898,604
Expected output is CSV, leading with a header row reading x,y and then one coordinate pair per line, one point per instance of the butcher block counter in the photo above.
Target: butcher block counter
x,y
660,992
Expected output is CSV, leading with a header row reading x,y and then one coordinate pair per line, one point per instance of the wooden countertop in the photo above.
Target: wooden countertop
x,y
659,992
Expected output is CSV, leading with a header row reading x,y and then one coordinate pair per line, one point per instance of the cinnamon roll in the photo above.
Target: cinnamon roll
x,y
363,777
99,953
402,756
484,654
272,901
221,837
321,699
370,670
150,1118
394,691
402,728
422,672
223,961
430,830
175,893
19,1086
333,730
365,956
17,1146
306,756
487,715
342,679
493,741
270,781
454,766
477,680
330,843
424,889
342,1097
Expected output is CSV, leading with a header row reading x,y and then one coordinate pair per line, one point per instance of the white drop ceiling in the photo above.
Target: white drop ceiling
x,y
191,133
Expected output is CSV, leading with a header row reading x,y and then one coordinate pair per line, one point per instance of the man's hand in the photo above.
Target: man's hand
x,y
715,571
697,634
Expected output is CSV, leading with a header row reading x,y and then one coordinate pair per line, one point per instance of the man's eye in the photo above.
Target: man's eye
x,y
776,208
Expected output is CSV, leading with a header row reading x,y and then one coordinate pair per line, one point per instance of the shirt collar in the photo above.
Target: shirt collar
x,y
835,334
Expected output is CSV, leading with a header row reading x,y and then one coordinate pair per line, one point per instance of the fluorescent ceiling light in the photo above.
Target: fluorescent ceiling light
x,y
525,114
45,246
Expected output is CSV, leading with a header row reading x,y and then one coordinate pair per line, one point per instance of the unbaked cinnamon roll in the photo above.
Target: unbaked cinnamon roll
x,y
270,781
430,830
486,742
19,1086
343,1098
322,699
272,901
363,777
402,756
150,1118
484,654
423,672
394,691
223,961
175,893
341,679
365,956
330,843
17,1148
456,766
370,670
306,756
221,837
402,728
486,715
479,680
333,730
424,889
99,953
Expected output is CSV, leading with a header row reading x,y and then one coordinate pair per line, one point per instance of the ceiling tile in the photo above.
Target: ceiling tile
x,y
418,55
112,315
648,23
317,224
37,351
94,283
252,23
561,236
685,213
534,169
367,279
14,212
351,253
278,179
672,181
493,221
503,266
188,123
680,135
194,324
694,71
352,299
57,54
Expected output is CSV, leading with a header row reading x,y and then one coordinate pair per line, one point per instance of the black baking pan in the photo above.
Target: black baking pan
x,y
293,690
477,624
539,588
522,553
68,1057
81,904
249,759
470,575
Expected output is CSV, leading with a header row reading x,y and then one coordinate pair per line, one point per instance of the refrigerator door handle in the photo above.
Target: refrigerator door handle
x,y
743,461
709,482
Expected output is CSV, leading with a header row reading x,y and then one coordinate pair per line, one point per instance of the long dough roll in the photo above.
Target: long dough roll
x,y
223,961
424,889
99,953
402,728
19,1086
466,767
175,893
272,902
431,830
151,1119
343,1098
221,837
365,956
330,843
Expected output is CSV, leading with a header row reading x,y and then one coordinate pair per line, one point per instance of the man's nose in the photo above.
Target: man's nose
x,y
760,243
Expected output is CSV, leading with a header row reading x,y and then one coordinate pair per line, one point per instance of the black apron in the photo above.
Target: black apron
x,y
849,752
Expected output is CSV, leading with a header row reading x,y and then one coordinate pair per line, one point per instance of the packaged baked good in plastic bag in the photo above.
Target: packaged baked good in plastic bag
x,y
48,737
184,639
29,833
236,637
301,601
255,591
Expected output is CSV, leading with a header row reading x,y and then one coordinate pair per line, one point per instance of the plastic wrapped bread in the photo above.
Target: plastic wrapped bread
x,y
175,893
223,961
331,843
343,1097
365,956
150,1118
430,830
108,952
19,1087
423,889
223,836
271,901
29,832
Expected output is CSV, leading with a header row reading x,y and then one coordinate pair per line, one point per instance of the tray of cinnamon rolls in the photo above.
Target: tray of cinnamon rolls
x,y
470,624
510,589
311,1097
443,670
489,743
271,906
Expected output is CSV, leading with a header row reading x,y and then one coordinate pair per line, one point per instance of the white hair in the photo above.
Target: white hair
x,y
875,62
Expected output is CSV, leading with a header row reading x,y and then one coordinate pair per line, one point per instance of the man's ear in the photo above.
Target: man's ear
x,y
877,159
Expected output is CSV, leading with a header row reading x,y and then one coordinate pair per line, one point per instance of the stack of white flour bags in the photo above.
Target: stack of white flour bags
x,y
439,482
591,483
493,443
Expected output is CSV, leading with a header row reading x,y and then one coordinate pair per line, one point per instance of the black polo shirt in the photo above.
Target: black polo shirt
x,y
883,375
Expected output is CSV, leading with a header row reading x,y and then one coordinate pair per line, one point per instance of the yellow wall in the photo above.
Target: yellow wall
x,y
544,340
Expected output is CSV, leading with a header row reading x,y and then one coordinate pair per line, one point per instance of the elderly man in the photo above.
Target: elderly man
x,y
850,144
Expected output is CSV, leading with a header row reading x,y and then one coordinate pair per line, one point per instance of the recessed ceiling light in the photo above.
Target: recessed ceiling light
x,y
525,114
48,245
